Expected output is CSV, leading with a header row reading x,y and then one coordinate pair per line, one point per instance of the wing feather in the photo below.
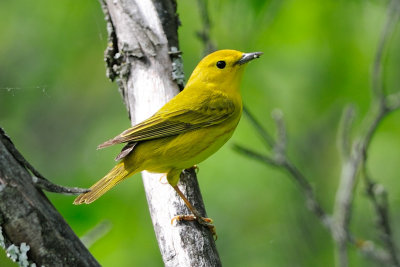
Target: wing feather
x,y
169,122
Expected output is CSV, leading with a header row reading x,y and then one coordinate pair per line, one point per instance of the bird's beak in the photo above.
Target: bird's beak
x,y
246,57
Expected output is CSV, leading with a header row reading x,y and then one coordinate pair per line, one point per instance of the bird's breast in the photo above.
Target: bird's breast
x,y
184,150
195,146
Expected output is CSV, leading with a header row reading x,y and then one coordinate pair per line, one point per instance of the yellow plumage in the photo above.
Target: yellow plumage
x,y
186,130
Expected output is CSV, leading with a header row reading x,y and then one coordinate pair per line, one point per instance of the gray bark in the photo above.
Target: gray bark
x,y
31,229
142,35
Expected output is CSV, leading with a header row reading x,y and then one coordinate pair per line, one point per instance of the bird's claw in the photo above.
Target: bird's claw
x,y
179,218
207,222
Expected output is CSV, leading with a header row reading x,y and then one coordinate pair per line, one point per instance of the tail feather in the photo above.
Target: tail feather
x,y
115,140
124,137
115,176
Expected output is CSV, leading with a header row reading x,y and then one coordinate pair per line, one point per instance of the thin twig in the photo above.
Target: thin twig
x,y
354,156
348,180
280,159
281,138
379,199
265,136
392,101
368,248
27,216
371,251
343,138
96,233
54,188
255,155
38,179
393,13
357,159
204,34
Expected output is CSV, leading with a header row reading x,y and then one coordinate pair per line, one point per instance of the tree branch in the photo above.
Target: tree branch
x,y
351,167
344,138
367,248
347,184
269,141
393,13
204,34
97,232
379,199
148,69
39,180
280,159
354,155
31,229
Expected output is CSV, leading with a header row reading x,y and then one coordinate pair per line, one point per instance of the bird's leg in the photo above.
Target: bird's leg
x,y
196,215
191,208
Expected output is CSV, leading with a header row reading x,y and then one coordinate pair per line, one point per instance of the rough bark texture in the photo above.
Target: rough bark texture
x,y
143,56
27,216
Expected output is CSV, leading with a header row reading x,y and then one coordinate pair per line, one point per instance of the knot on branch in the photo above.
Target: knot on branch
x,y
178,74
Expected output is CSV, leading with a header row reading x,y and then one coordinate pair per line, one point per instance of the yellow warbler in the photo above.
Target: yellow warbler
x,y
186,130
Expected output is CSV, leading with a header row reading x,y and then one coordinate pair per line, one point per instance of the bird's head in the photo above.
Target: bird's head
x,y
222,68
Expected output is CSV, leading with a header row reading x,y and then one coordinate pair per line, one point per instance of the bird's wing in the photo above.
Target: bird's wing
x,y
173,121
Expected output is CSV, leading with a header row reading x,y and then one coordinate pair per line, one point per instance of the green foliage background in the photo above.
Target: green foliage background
x,y
57,106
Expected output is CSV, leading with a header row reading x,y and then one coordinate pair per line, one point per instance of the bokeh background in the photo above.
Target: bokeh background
x,y
57,105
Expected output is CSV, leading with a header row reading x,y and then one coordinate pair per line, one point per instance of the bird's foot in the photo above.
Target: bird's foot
x,y
207,222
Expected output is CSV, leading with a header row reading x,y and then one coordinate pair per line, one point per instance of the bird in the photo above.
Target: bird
x,y
185,131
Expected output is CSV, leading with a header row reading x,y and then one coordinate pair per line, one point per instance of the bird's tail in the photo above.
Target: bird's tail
x,y
115,176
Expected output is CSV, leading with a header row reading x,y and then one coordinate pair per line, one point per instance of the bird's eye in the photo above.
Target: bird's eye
x,y
221,64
